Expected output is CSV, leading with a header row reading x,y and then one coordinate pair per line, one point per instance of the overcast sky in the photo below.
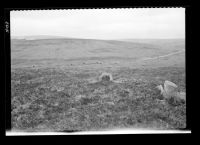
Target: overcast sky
x,y
101,23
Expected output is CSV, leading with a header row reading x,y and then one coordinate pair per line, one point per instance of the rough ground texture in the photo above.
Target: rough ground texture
x,y
55,87
47,99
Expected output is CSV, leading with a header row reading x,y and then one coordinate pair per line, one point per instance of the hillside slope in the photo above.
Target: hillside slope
x,y
80,48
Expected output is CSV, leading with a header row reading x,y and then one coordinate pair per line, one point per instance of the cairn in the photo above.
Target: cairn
x,y
105,77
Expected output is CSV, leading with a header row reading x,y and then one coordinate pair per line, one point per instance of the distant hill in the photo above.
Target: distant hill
x,y
154,41
68,48
36,37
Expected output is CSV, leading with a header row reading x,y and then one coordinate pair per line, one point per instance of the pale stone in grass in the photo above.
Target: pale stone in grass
x,y
161,89
59,89
120,80
181,96
78,97
170,88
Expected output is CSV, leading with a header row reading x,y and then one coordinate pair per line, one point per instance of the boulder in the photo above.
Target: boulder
x,y
170,92
170,88
179,98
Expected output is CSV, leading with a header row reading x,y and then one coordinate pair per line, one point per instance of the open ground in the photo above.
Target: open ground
x,y
54,84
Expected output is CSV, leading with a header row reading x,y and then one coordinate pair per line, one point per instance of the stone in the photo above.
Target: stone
x,y
79,97
59,89
170,92
170,88
120,80
181,95
160,87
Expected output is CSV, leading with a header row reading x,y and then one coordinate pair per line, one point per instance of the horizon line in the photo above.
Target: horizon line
x,y
67,37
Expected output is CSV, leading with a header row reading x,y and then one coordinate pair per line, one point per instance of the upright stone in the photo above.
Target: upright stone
x,y
170,89
161,89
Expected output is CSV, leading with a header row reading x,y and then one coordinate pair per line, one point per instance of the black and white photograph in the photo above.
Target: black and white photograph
x,y
79,71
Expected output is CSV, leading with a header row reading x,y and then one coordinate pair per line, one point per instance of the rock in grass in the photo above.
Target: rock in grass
x,y
170,88
170,92
161,89
105,77
121,80
181,96
79,97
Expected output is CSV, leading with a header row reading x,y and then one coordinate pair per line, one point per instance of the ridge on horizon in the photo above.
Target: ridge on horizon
x,y
35,37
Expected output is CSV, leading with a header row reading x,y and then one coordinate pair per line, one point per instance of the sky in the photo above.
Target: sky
x,y
137,23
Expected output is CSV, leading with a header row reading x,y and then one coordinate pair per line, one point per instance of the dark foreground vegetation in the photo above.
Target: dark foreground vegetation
x,y
50,99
